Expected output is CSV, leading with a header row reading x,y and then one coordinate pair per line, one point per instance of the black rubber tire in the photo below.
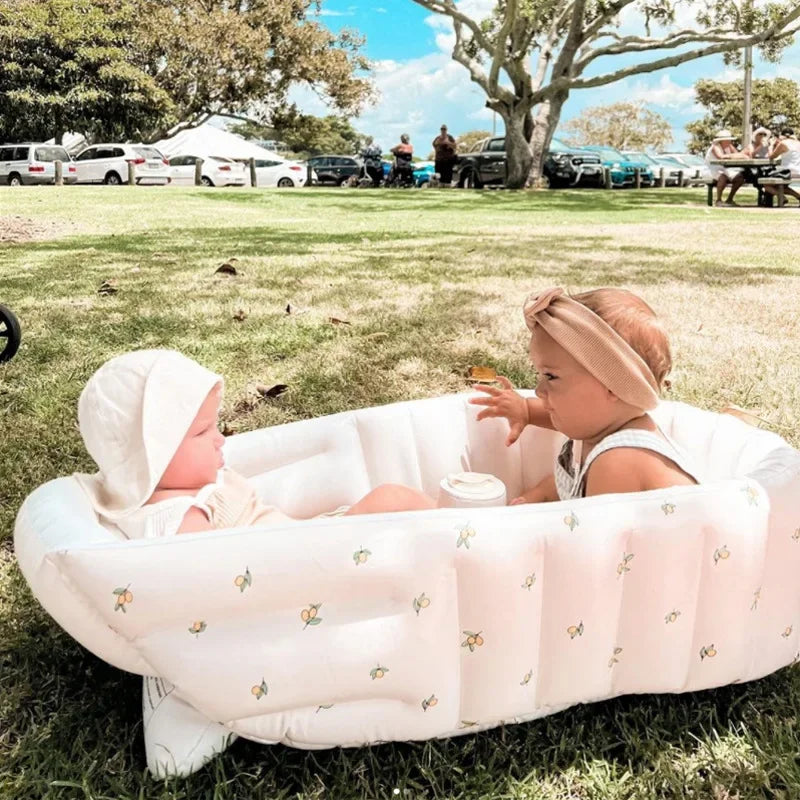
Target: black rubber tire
x,y
206,181
14,179
10,334
342,182
471,181
285,183
112,179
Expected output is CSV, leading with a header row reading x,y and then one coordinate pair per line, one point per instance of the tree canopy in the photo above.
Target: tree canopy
x,y
626,126
774,103
530,54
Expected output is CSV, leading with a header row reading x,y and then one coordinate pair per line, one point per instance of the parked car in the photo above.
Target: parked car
x,y
423,172
673,171
698,171
335,169
623,170
281,173
216,171
33,163
570,166
108,163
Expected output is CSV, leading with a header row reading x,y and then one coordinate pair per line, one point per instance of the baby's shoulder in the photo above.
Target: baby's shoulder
x,y
620,469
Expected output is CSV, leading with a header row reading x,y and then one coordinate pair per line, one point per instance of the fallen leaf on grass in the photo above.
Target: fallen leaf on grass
x,y
337,321
269,392
240,316
108,287
481,374
227,268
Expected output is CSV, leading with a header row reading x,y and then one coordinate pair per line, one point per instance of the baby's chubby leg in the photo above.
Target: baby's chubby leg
x,y
544,492
391,497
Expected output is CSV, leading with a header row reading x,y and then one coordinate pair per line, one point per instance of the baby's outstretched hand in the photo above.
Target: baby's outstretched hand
x,y
505,402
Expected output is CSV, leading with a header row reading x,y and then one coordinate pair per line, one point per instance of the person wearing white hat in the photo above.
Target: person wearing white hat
x,y
759,147
787,148
722,146
149,419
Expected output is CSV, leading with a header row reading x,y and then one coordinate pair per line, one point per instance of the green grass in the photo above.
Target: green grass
x,y
431,283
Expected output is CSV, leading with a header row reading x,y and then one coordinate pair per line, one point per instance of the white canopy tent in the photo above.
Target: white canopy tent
x,y
207,140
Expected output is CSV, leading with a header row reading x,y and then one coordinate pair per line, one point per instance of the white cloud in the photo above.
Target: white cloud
x,y
665,93
380,10
329,12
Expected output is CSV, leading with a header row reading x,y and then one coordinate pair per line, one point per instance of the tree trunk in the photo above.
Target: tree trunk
x,y
518,151
547,118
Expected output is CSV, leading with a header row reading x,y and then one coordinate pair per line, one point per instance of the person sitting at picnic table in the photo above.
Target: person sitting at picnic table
x,y
722,147
787,148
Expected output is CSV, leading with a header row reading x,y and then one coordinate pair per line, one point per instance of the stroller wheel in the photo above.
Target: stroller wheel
x,y
10,334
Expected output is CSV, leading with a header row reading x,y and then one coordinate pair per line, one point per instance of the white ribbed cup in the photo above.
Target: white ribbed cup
x,y
471,490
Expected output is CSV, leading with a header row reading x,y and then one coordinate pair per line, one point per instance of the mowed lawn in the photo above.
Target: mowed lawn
x,y
420,285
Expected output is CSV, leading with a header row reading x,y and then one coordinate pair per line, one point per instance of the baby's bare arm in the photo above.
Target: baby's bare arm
x,y
544,492
194,521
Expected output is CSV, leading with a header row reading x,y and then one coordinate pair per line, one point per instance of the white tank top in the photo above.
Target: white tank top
x,y
791,160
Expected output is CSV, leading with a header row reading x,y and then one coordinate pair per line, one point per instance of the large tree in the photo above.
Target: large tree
x,y
530,54
66,66
626,126
774,103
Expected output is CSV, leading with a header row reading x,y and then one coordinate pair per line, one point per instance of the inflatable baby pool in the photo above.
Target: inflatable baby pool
x,y
349,631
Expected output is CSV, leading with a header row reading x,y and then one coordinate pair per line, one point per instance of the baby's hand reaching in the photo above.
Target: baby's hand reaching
x,y
505,402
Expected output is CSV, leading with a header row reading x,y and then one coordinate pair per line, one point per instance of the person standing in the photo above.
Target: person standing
x,y
445,149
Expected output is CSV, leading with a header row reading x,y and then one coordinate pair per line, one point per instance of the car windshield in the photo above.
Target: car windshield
x,y
557,146
148,152
643,157
608,153
694,160
51,154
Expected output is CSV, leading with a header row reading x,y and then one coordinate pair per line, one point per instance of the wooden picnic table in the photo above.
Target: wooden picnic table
x,y
759,168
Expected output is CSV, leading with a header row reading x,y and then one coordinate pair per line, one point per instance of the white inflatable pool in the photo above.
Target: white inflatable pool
x,y
355,630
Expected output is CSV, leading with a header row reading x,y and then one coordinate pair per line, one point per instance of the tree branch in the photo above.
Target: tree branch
x,y
448,9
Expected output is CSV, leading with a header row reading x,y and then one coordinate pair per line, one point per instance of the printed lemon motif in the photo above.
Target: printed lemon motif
x,y
378,672
787,633
198,627
796,535
243,581
421,602
575,630
668,508
752,495
324,708
707,652
468,723
623,567
430,702
473,640
259,691
124,598
360,556
614,660
465,533
672,617
571,521
526,678
309,615
529,581
721,554
756,598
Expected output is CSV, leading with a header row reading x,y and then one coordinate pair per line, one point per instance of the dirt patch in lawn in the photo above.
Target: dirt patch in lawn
x,y
15,228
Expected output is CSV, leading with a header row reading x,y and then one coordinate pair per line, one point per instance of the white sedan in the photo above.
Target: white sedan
x,y
216,171
284,174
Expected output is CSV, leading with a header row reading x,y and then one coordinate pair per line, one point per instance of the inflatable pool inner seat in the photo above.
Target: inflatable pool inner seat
x,y
423,624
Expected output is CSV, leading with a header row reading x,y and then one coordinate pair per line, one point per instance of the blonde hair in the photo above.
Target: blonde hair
x,y
636,323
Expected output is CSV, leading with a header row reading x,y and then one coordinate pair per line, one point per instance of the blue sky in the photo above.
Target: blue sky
x,y
421,86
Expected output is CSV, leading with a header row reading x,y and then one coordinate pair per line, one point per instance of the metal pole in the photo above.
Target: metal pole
x,y
748,90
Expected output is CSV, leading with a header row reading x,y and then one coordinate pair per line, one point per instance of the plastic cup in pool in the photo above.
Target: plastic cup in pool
x,y
471,490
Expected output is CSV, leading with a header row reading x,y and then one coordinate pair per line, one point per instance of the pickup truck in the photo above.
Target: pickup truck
x,y
485,165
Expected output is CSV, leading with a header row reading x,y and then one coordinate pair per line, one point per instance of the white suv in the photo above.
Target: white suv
x,y
34,163
108,163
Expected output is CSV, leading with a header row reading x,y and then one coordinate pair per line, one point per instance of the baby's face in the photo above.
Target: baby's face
x,y
199,455
579,405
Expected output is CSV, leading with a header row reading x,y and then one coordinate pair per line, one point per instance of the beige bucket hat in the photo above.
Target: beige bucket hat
x,y
723,135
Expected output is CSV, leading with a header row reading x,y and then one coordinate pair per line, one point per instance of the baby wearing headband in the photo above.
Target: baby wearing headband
x,y
149,419
602,357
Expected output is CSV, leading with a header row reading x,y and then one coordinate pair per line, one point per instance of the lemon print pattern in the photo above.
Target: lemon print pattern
x,y
360,556
473,640
197,628
756,598
571,521
787,632
751,493
796,535
529,581
376,673
244,581
575,630
430,702
672,617
465,533
421,602
467,723
124,598
721,554
623,567
310,615
526,678
707,652
668,508
259,691
324,708
614,660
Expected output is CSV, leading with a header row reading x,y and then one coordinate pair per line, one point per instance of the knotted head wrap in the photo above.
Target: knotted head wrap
x,y
133,415
595,345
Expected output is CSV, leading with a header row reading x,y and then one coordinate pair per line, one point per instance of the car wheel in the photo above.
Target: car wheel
x,y
545,182
206,181
425,185
285,183
343,182
471,181
112,179
14,179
